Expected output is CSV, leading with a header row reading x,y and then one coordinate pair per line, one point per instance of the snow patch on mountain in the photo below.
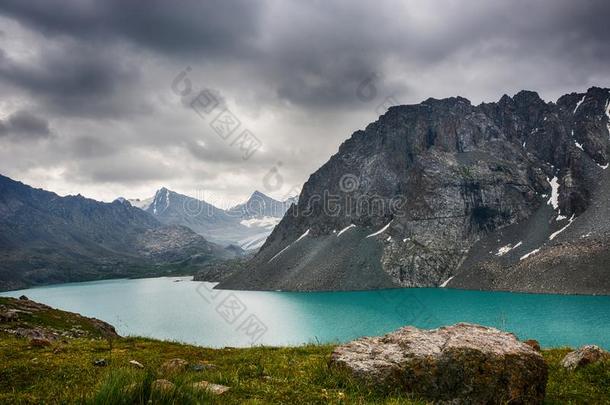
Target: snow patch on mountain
x,y
444,284
554,235
382,230
264,222
286,248
505,249
579,103
533,252
554,200
345,229
141,204
607,111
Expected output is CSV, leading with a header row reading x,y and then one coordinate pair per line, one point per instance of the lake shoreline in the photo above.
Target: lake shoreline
x,y
295,291
195,313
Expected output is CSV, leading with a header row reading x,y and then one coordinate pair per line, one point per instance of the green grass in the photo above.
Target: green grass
x,y
64,373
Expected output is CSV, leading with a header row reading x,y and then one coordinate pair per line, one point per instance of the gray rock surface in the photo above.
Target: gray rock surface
x,y
459,364
585,355
443,193
215,389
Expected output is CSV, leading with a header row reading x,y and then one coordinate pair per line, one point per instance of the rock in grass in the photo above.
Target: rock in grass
x,y
215,389
9,315
162,385
534,344
460,364
136,364
100,363
39,342
585,355
174,365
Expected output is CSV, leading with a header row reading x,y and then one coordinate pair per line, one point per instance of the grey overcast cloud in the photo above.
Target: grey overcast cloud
x,y
89,88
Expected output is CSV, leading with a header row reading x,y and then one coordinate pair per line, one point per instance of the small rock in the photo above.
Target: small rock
x,y
202,366
162,385
9,315
100,363
534,344
584,356
215,389
174,365
24,298
459,364
39,342
136,364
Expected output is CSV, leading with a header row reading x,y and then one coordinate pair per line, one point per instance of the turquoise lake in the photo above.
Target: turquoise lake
x,y
192,312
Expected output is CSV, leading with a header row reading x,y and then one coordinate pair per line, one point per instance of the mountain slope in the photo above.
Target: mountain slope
x,y
260,205
45,238
246,225
447,193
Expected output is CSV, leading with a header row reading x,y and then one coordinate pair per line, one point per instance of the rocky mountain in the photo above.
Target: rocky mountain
x,y
260,213
136,202
259,206
213,223
45,238
510,195
246,225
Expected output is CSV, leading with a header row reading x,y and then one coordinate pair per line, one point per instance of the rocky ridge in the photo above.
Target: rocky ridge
x,y
511,195
46,238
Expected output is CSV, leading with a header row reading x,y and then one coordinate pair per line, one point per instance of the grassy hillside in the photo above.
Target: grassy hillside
x,y
63,372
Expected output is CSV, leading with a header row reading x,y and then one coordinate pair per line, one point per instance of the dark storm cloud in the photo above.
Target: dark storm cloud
x,y
86,147
24,125
128,169
314,54
73,79
209,27
293,72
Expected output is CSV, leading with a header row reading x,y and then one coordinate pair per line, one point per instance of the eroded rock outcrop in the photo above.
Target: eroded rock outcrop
x,y
29,319
498,196
584,356
459,364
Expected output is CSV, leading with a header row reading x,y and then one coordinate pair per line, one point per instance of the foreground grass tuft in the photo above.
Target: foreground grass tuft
x,y
123,387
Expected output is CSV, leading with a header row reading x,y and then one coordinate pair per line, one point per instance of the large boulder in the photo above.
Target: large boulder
x,y
584,356
460,364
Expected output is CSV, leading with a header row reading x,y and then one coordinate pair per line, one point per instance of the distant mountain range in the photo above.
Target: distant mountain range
x,y
511,195
45,238
246,225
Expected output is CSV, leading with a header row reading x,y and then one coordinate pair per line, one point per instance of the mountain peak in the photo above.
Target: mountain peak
x,y
257,195
122,200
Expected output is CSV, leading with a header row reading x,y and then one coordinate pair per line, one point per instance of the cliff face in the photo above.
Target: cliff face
x,y
447,193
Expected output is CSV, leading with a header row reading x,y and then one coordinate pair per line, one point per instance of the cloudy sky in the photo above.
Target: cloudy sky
x,y
115,98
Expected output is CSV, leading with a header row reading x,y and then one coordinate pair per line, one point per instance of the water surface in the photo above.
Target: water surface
x,y
193,312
